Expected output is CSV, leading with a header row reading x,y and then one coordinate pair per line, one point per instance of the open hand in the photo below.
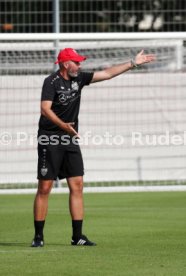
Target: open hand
x,y
141,58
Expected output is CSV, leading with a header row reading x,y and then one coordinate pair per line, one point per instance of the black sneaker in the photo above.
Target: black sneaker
x,y
83,240
37,242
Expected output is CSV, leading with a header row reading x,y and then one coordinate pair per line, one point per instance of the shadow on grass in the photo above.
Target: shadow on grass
x,y
11,244
27,244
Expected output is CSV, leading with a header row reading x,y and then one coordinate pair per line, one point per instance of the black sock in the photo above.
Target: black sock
x,y
39,225
77,228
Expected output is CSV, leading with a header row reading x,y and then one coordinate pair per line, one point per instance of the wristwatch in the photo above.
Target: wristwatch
x,y
133,63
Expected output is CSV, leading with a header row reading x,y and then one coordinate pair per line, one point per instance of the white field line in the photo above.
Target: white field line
x,y
117,189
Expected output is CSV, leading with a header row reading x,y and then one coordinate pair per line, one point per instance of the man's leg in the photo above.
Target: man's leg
x,y
77,210
40,210
76,197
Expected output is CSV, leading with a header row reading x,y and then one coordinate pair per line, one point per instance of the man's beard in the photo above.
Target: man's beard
x,y
73,74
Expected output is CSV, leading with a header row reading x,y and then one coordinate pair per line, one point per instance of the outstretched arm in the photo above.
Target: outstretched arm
x,y
116,70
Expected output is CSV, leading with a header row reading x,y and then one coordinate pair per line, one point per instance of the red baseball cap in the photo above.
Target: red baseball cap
x,y
69,54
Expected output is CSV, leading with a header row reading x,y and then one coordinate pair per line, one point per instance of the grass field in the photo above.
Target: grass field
x,y
138,234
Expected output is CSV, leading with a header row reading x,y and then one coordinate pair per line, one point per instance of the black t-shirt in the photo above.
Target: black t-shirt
x,y
65,96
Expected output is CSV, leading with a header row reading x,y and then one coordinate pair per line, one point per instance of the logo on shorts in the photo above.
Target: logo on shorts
x,y
44,171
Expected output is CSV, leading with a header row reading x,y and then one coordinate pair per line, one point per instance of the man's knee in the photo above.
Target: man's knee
x,y
76,186
44,187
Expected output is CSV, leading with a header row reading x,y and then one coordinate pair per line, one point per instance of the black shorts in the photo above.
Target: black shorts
x,y
58,160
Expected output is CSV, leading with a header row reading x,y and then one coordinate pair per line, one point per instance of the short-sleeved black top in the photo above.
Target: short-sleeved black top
x,y
65,96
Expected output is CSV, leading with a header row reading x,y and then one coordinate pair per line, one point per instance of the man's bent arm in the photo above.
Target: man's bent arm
x,y
49,114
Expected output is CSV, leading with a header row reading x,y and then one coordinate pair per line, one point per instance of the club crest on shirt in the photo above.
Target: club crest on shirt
x,y
75,85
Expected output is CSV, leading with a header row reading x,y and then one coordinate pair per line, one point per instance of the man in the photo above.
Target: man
x,y
59,154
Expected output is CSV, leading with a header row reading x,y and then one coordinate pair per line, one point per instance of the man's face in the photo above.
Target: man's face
x,y
73,68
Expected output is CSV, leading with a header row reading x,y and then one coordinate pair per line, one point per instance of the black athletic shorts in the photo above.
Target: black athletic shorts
x,y
57,158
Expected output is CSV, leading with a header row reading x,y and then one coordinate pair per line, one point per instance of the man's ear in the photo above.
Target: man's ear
x,y
66,64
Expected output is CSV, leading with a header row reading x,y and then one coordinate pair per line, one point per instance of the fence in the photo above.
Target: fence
x,y
134,124
92,15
